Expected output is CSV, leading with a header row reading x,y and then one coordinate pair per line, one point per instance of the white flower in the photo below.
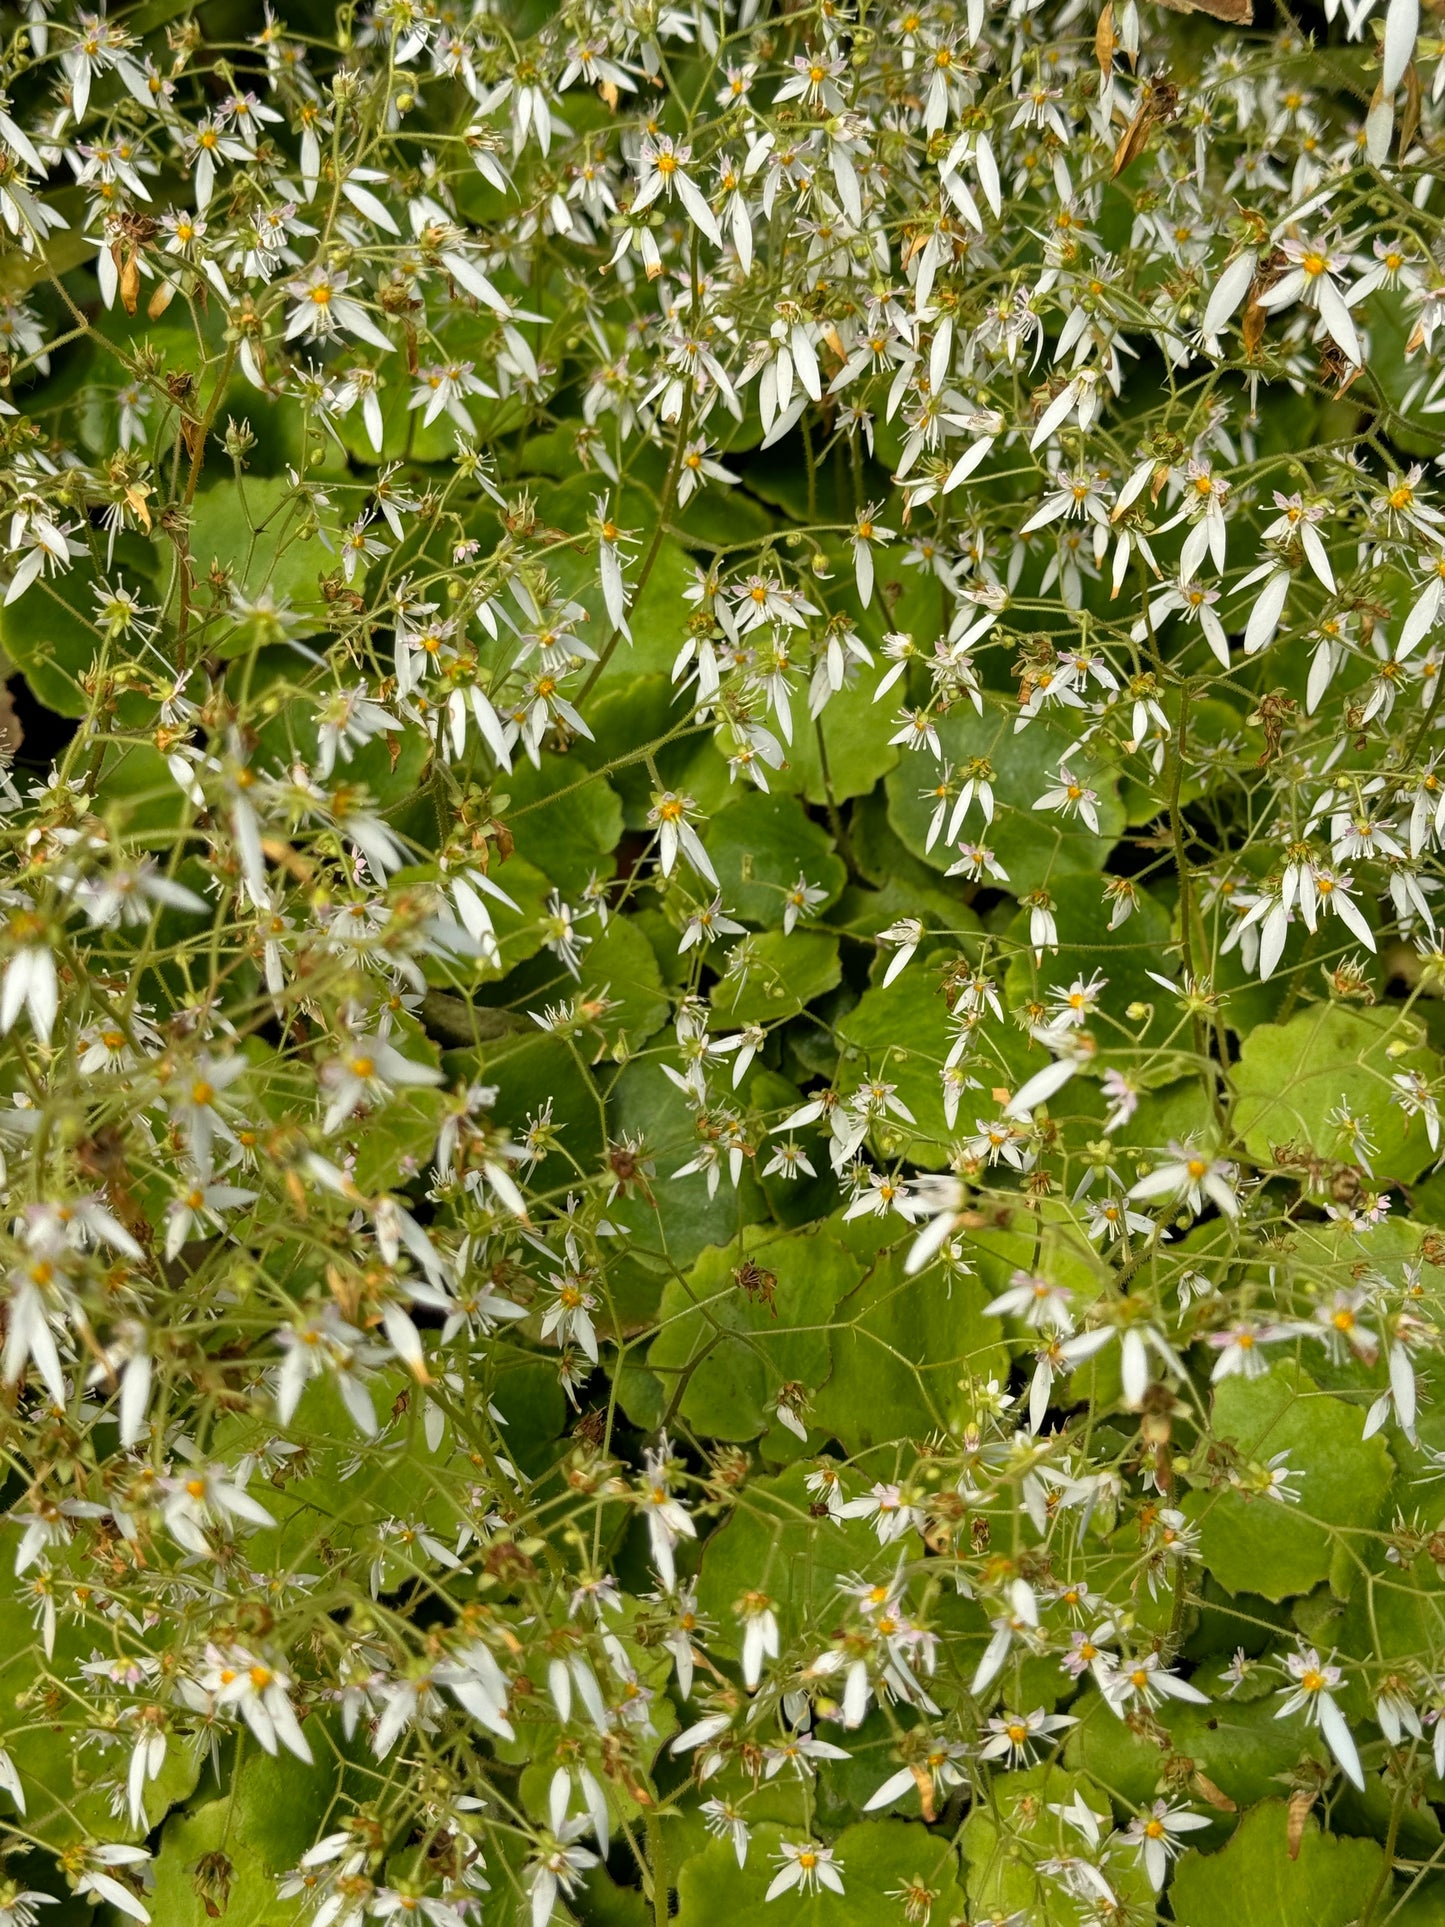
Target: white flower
x,y
1041,1304
387,1904
30,984
1395,1711
892,1508
366,1073
667,1518
669,817
707,922
799,903
976,861
1123,1098
1298,521
477,1683
760,1635
1314,1682
940,1766
442,388
917,729
1238,1348
1144,1683
1189,1175
1313,888
663,166
567,1317
1310,278
1072,798
906,935
1195,602
724,1822
1016,1737
610,540
1078,495
19,1907
96,1879
1416,1099
201,1205
237,1678
883,1195
558,1868
699,467
1111,1216
865,532
1155,1837
807,1866
323,308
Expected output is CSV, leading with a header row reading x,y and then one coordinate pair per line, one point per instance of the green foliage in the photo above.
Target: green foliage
x,y
1253,1545
1295,1078
1258,1878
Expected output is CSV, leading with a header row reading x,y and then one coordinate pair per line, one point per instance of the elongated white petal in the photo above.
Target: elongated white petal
x,y
958,193
1402,24
1402,1384
929,1241
1421,619
698,210
1339,1741
365,202
1043,1084
1379,127
1316,555
1265,615
1229,290
1055,414
468,276
893,1788
1353,917
1337,318
1134,1368
992,1663
988,175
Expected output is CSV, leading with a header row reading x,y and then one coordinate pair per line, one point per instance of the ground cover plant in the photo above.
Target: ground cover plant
x,y
721,1016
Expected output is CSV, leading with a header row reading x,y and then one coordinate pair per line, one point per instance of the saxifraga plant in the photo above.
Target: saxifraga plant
x,y
720,999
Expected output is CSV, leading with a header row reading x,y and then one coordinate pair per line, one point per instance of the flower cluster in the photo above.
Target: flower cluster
x,y
720,1008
